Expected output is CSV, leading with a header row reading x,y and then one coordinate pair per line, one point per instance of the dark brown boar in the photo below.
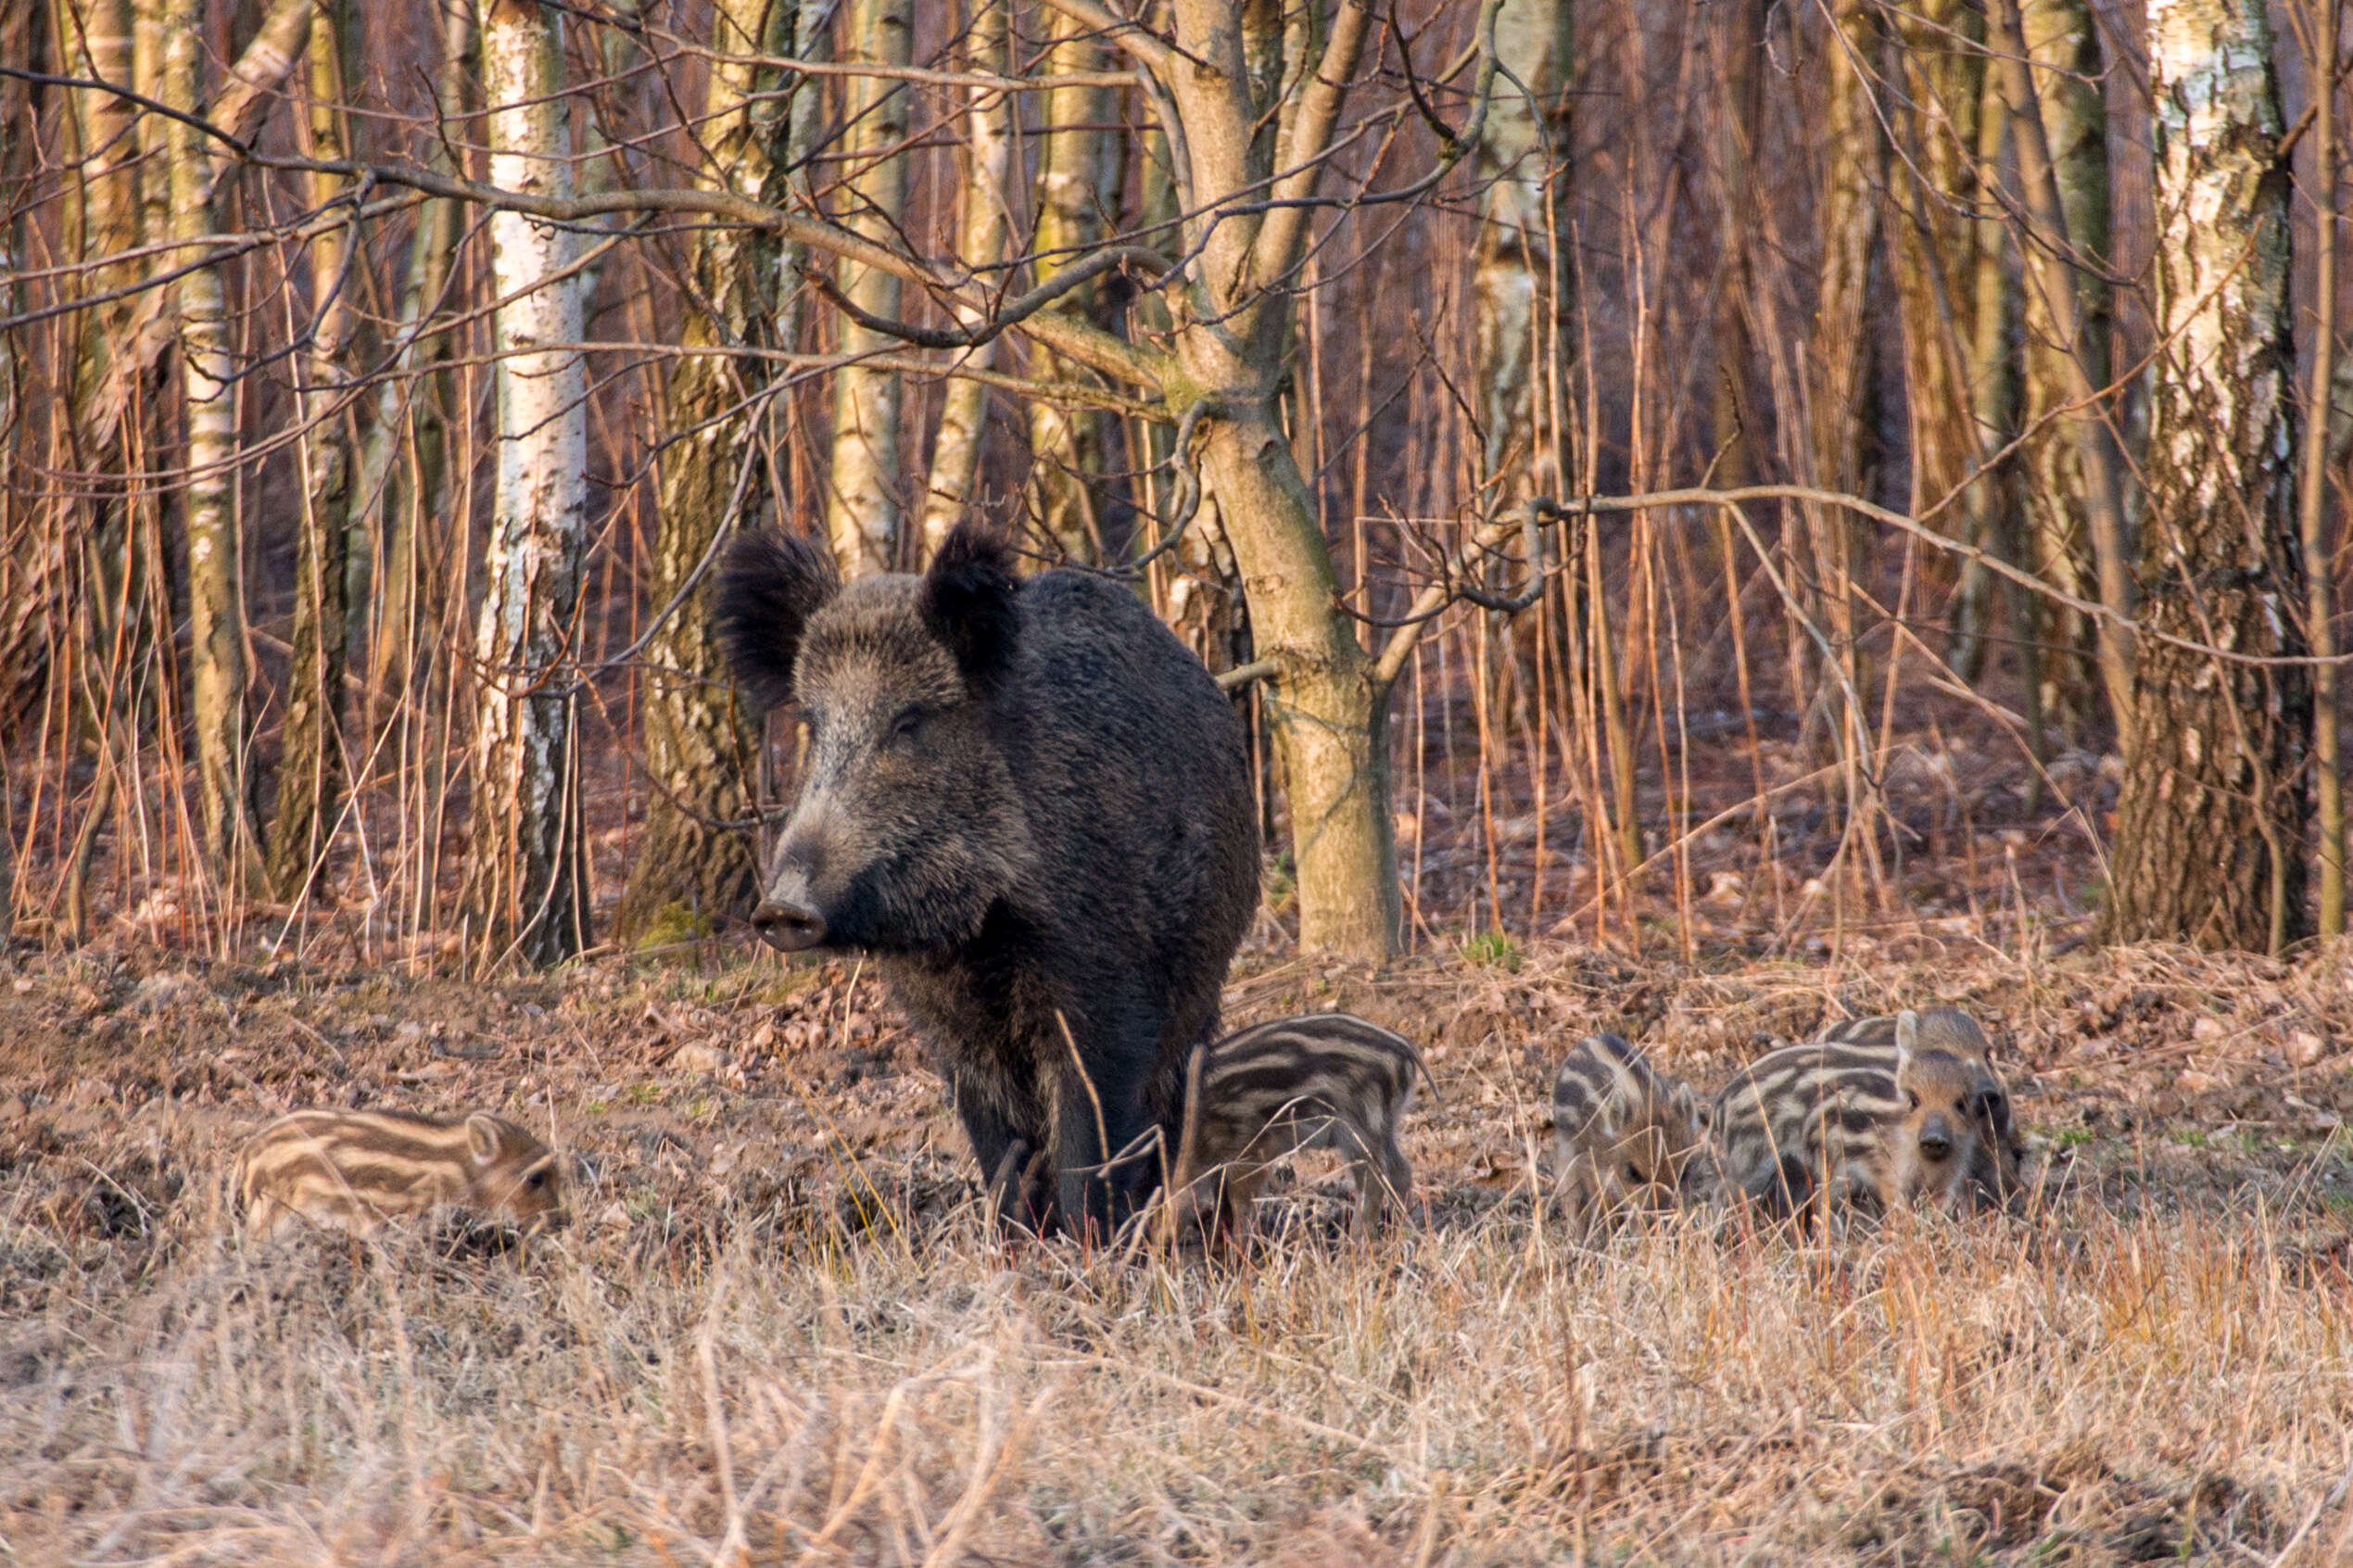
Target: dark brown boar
x,y
1032,805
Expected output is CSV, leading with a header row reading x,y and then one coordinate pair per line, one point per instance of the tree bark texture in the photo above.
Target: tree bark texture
x,y
692,869
1517,273
1078,165
216,610
310,766
2063,41
983,225
2210,824
862,504
527,893
2312,484
1328,710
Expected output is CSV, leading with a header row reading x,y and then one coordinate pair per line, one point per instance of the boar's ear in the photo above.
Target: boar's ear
x,y
769,586
967,602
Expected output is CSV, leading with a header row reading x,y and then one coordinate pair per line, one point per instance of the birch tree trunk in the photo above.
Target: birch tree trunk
x,y
691,868
2210,823
526,895
982,233
1078,181
311,768
96,37
1521,239
862,505
216,575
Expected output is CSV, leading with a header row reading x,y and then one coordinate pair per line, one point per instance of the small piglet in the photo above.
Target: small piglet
x,y
354,1170
1621,1131
1882,1126
1327,1080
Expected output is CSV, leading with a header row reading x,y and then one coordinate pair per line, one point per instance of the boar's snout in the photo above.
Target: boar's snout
x,y
788,928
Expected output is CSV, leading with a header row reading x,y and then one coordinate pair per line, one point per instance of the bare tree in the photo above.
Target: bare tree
x,y
1079,166
2210,824
983,235
215,535
311,769
694,866
862,502
525,880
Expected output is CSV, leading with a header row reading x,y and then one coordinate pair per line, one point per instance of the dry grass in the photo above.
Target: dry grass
x,y
778,1330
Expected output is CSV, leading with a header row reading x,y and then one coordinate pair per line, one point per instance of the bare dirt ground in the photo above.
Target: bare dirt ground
x,y
776,1331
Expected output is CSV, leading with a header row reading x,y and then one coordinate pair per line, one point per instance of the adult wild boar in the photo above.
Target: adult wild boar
x,y
1032,805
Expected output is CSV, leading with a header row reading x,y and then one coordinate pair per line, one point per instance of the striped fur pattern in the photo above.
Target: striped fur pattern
x,y
1879,1126
1941,1029
1621,1131
354,1170
1327,1080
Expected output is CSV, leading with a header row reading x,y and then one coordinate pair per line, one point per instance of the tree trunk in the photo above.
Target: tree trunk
x,y
692,868
527,892
1853,172
216,612
1078,182
96,39
983,233
1992,390
2313,483
311,769
862,505
2210,842
2063,41
399,481
1234,334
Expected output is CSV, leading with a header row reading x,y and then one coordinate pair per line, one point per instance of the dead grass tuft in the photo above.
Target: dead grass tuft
x,y
779,1333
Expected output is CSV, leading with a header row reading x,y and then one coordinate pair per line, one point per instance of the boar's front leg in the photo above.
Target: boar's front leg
x,y
1100,1115
1007,1155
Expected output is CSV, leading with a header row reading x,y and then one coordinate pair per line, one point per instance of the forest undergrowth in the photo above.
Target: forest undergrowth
x,y
776,1329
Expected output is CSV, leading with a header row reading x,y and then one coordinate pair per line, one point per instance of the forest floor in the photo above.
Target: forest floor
x,y
776,1330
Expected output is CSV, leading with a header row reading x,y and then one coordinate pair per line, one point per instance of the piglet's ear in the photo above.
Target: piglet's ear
x,y
482,1137
770,586
1908,1037
968,603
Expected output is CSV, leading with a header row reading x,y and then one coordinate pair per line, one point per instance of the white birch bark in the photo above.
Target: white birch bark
x,y
862,510
982,236
526,874
2210,818
1517,246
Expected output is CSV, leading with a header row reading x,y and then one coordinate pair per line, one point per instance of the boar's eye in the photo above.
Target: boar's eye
x,y
907,730
1913,1095
1634,1173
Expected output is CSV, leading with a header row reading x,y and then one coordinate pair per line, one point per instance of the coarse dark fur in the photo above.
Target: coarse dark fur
x,y
1324,1080
1621,1131
1033,805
